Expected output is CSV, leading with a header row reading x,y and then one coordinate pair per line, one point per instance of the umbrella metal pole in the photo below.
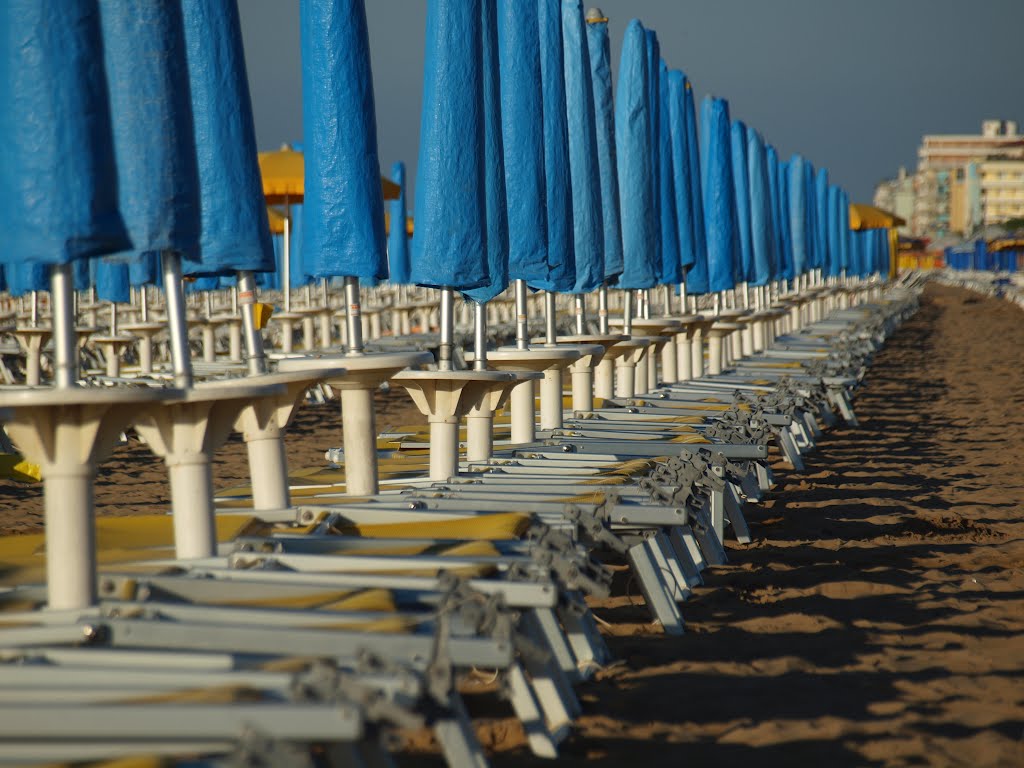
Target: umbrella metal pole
x,y
254,353
35,309
181,361
286,261
581,313
480,336
602,309
682,297
65,344
627,313
143,304
444,352
522,323
550,334
353,321
667,291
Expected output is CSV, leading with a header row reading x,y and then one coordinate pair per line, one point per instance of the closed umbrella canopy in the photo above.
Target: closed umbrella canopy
x,y
797,183
834,202
864,216
671,261
821,186
283,174
234,231
599,50
495,204
344,226
633,145
654,100
719,200
679,150
844,229
787,271
561,258
588,226
111,280
762,235
398,240
523,137
741,188
58,179
697,277
450,239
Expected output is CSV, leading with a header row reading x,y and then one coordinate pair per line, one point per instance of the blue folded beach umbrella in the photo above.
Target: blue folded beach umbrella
x,y
495,204
111,280
697,277
741,190
344,206
719,198
558,184
398,238
588,225
634,158
774,187
821,187
58,177
26,276
844,229
522,130
599,49
154,139
833,266
762,236
654,100
798,229
234,234
671,260
680,173
788,270
450,241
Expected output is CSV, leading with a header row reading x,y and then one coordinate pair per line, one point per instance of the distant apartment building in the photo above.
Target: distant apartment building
x,y
1002,190
949,192
897,195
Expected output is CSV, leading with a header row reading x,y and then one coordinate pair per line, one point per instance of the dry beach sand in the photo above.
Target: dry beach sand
x,y
876,619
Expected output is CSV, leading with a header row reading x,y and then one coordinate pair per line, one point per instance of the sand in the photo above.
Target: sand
x,y
875,620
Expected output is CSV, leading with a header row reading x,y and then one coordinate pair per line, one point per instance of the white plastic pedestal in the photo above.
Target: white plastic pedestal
x,y
604,372
703,326
234,324
262,423
480,418
68,432
716,336
113,347
732,344
145,332
309,317
444,397
583,370
656,326
689,332
32,340
363,375
626,363
550,361
185,433
287,321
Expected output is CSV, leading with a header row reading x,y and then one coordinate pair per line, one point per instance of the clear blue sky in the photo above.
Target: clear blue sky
x,y
852,86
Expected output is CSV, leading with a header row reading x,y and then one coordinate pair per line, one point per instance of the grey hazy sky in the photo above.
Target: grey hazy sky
x,y
852,86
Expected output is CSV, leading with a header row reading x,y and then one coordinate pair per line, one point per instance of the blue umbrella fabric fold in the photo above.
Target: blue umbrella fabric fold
x,y
762,237
821,186
797,183
154,136
741,187
833,266
844,228
234,233
774,187
588,226
787,262
719,200
561,257
697,277
495,205
344,227
111,280
599,49
654,99
522,131
58,177
449,241
633,147
398,238
680,168
671,261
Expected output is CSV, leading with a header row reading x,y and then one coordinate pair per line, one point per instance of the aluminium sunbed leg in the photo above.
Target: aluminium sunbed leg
x,y
652,583
550,632
734,513
457,738
710,545
790,451
554,691
682,540
667,562
587,644
528,710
